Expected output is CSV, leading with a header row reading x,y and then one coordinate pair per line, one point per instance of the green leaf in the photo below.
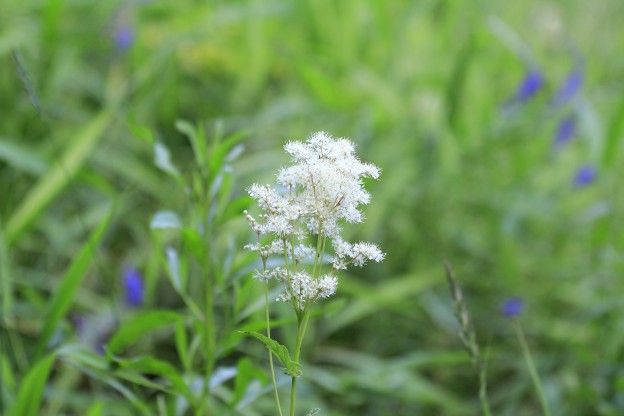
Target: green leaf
x,y
82,357
51,184
220,151
31,389
236,208
96,409
138,327
291,367
246,374
21,158
97,367
165,219
141,132
181,343
6,283
197,138
64,293
162,160
154,366
368,301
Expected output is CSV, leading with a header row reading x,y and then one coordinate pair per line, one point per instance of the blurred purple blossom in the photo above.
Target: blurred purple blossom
x,y
530,85
585,176
123,37
133,287
569,88
512,307
565,131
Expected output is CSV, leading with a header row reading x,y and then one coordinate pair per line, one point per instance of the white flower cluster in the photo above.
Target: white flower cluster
x,y
357,254
301,289
322,187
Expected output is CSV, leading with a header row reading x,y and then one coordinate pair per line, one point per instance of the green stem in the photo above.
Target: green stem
x,y
302,325
268,332
303,319
483,398
209,337
293,394
532,369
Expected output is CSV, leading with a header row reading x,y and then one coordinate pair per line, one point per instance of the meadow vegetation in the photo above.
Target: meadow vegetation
x,y
131,133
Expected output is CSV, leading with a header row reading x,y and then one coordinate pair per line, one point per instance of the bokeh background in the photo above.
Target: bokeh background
x,y
498,127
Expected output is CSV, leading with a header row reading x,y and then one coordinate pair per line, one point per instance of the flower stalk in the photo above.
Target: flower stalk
x,y
322,189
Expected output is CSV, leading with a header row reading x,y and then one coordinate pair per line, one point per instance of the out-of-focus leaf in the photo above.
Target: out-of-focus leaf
x,y
96,409
6,283
138,327
65,292
7,376
173,266
246,375
281,352
141,132
31,389
21,158
165,219
235,153
221,375
82,356
236,207
220,150
389,292
154,366
181,344
197,138
60,174
162,159
97,367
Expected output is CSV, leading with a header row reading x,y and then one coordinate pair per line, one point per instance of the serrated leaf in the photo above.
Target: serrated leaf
x,y
291,367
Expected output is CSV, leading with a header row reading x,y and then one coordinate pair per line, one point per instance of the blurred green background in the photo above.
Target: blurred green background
x,y
460,103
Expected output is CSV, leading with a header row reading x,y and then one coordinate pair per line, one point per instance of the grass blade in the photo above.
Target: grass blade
x,y
64,294
51,184
6,284
138,327
31,389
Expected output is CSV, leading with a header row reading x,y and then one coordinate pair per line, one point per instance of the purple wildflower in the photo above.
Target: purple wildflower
x,y
569,88
512,307
565,131
133,287
585,176
530,85
123,37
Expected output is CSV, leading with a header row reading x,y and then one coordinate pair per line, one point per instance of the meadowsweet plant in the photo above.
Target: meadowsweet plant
x,y
300,223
